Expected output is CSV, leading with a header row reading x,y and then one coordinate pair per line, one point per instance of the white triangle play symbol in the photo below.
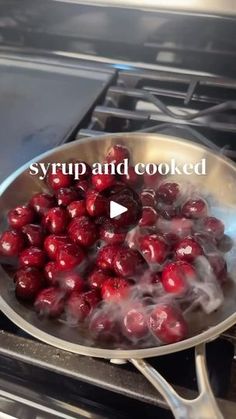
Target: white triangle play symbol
x,y
116,209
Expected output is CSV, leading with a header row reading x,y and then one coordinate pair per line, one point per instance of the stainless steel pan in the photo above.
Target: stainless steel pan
x,y
220,181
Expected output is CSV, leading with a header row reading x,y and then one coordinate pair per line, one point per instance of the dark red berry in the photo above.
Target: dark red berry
x,y
168,192
154,248
69,256
111,234
20,216
80,305
65,196
83,231
34,234
149,217
194,208
103,326
55,220
71,282
188,249
52,244
127,262
50,302
106,256
51,272
82,186
117,154
131,178
96,204
59,180
135,322
33,256
41,202
28,283
97,277
11,243
180,226
102,181
148,198
167,211
115,289
177,276
214,227
77,208
167,324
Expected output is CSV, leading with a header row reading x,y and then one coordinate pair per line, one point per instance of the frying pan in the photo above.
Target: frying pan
x,y
219,182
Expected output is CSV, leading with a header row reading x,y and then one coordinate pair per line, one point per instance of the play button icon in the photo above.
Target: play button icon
x,y
116,209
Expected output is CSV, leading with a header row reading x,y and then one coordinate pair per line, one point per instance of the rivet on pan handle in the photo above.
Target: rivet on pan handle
x,y
203,407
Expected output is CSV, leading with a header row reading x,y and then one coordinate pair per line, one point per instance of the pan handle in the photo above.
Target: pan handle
x,y
203,407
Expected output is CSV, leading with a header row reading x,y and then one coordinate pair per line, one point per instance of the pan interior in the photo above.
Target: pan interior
x,y
218,183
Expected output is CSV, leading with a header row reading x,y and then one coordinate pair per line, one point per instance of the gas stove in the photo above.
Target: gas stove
x,y
155,88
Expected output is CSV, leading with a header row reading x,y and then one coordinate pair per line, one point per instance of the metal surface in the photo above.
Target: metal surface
x,y
19,187
214,7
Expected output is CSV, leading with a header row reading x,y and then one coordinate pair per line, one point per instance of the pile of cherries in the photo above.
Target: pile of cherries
x,y
124,279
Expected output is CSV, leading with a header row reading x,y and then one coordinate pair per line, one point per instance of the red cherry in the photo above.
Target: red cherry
x,y
51,273
167,324
154,248
152,181
176,277
55,220
149,217
28,283
83,231
34,234
20,216
194,208
102,326
33,256
79,306
59,180
65,196
168,192
115,289
71,282
77,208
148,198
167,211
106,256
214,227
11,243
52,244
103,181
135,322
97,277
110,234
50,302
69,256
41,202
131,178
188,249
126,262
117,154
82,186
96,204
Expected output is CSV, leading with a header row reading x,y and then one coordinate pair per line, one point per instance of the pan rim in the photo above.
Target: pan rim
x,y
205,336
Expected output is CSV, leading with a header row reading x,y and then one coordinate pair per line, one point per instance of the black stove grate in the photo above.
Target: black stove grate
x,y
198,108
